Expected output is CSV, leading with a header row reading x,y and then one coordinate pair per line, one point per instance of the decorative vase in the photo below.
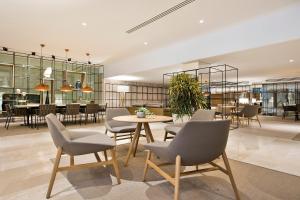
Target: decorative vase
x,y
78,84
140,115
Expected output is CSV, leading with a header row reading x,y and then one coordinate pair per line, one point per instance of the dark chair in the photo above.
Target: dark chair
x,y
287,109
199,115
102,110
297,112
198,142
71,112
11,113
91,109
75,143
249,112
44,109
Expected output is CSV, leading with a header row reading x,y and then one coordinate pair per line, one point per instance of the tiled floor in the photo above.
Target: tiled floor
x,y
28,151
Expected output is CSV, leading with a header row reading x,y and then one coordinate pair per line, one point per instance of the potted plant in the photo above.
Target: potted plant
x,y
142,112
185,97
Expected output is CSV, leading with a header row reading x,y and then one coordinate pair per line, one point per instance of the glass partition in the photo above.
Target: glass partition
x,y
21,72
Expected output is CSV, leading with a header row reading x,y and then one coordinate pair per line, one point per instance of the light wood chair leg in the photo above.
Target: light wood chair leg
x,y
97,157
258,121
115,165
105,155
131,147
54,171
177,177
146,165
226,162
72,160
136,143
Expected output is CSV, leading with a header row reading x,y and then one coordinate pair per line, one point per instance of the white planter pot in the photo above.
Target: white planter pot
x,y
140,115
183,119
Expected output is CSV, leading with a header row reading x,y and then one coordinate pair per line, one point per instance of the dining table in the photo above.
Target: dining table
x,y
140,122
31,110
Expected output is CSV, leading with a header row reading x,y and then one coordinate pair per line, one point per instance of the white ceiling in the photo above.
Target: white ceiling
x,y
57,23
255,65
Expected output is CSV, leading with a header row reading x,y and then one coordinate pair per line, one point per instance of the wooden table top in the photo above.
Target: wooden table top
x,y
149,119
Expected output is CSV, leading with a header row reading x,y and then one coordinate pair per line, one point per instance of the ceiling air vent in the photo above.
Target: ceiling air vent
x,y
160,15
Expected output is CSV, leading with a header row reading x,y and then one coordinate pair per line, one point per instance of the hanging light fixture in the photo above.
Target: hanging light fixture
x,y
87,88
41,87
65,86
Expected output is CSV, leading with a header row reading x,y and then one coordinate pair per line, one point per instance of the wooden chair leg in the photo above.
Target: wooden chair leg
x,y
97,157
136,143
54,171
258,121
226,162
115,165
177,177
105,155
146,165
71,160
106,131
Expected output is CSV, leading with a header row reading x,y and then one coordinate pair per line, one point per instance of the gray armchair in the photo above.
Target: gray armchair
x,y
249,112
198,142
76,143
199,115
121,130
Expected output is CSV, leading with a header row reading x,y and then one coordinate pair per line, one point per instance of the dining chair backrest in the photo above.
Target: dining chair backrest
x,y
224,109
92,108
8,109
250,111
203,115
57,130
45,109
298,107
103,108
115,112
72,109
200,141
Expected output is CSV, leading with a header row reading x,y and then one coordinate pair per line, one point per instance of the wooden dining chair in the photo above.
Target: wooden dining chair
x,y
71,113
92,110
42,111
198,142
74,143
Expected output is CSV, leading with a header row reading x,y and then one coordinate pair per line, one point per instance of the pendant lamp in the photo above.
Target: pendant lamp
x,y
65,86
41,87
87,88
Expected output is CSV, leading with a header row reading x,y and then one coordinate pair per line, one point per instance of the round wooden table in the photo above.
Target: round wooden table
x,y
140,121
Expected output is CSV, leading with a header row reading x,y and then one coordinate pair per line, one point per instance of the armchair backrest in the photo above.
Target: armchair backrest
x,y
114,112
250,111
58,131
203,115
200,141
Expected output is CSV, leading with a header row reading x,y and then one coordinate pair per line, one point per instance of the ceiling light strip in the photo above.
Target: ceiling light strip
x,y
159,16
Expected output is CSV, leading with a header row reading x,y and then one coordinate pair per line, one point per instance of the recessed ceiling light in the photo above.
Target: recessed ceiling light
x,y
125,78
145,43
291,60
201,21
84,24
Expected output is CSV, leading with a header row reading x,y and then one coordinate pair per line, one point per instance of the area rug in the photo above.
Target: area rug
x,y
255,183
